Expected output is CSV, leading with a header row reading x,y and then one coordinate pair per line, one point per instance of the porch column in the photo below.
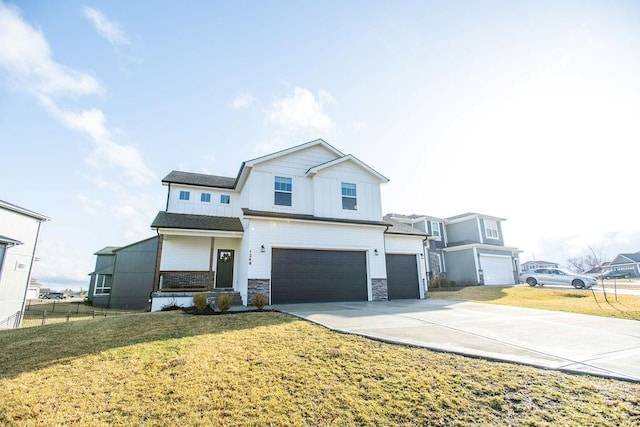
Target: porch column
x,y
156,279
211,258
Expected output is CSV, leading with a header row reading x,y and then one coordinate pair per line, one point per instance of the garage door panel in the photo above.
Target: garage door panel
x,y
402,277
305,275
497,270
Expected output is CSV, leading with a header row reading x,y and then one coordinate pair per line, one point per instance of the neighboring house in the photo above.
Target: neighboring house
x,y
467,248
299,225
19,231
626,262
123,276
533,265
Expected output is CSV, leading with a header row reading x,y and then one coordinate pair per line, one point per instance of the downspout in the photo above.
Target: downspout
x,y
26,288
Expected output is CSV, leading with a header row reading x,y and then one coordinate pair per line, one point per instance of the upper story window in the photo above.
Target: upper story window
x,y
435,229
225,199
491,229
283,187
184,195
205,197
349,197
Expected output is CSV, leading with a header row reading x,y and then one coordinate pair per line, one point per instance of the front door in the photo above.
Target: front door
x,y
224,269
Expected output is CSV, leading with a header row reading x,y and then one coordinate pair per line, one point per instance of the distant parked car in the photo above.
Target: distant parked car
x,y
53,295
557,276
616,274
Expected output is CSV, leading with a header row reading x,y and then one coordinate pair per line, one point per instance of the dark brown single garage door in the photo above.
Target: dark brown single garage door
x,y
303,275
402,277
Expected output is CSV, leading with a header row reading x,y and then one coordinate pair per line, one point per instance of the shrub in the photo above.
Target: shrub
x,y
260,300
224,302
200,301
440,282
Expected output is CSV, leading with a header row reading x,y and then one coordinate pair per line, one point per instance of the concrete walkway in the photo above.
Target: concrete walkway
x,y
547,339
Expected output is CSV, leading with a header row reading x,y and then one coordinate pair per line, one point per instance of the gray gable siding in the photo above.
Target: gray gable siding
x,y
465,231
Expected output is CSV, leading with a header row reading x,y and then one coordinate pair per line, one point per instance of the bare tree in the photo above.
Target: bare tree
x,y
594,258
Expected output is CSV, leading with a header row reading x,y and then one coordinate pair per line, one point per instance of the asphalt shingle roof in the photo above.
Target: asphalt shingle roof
x,y
196,222
202,180
397,227
267,214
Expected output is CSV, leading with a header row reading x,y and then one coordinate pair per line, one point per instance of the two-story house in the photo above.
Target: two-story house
x,y
467,248
19,231
299,225
534,265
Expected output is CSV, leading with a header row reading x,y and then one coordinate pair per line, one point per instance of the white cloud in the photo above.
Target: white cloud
x,y
302,110
25,53
243,100
109,30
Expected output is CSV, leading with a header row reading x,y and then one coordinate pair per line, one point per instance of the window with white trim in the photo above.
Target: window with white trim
x,y
103,284
435,229
438,266
349,197
205,197
225,199
283,190
491,229
184,195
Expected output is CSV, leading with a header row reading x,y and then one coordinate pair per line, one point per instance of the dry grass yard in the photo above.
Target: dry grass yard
x,y
582,301
269,368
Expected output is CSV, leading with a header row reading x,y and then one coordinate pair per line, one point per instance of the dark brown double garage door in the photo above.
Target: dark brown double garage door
x,y
304,275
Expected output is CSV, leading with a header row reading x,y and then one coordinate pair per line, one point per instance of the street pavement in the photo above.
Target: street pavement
x,y
575,343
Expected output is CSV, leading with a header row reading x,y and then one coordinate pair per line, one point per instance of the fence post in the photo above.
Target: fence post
x,y
53,310
78,308
68,315
44,317
94,314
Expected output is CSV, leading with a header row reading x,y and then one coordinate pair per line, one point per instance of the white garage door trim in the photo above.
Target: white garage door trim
x,y
497,269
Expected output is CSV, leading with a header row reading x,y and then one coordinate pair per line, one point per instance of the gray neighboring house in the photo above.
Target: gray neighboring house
x,y
123,276
626,262
467,248
533,265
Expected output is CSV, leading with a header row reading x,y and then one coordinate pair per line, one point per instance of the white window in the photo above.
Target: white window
x,y
283,189
205,197
435,228
103,284
184,195
225,199
349,197
438,267
491,229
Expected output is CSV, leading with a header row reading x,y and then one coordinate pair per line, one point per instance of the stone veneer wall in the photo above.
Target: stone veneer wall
x,y
379,290
258,286
184,279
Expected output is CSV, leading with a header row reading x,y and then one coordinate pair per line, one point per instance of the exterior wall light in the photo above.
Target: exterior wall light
x,y
262,249
375,252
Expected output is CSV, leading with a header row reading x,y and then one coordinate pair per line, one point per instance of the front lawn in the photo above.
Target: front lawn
x,y
273,369
582,301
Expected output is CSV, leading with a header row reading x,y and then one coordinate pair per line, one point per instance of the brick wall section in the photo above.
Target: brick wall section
x,y
184,279
257,286
379,289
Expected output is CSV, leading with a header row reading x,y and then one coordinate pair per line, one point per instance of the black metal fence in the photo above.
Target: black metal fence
x,y
62,311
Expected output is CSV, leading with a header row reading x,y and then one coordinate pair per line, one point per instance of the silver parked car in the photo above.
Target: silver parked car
x,y
556,276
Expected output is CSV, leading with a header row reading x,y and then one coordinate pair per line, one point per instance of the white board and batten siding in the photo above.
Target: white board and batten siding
x,y
197,207
307,235
328,193
192,253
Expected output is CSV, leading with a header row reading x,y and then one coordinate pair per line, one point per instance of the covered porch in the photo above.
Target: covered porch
x,y
196,254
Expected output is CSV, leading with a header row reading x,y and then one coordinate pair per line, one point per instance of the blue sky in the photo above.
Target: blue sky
x,y
524,110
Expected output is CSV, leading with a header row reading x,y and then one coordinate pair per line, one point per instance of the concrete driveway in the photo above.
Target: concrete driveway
x,y
547,339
